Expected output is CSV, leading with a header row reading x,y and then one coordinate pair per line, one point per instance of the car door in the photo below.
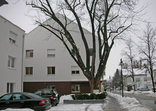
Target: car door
x,y
5,101
17,101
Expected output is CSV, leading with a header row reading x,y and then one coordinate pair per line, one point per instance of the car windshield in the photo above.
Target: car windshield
x,y
46,92
5,97
34,95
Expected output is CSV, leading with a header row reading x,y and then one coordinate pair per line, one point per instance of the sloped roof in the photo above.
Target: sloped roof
x,y
11,23
137,71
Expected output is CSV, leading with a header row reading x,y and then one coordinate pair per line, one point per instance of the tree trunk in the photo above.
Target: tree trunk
x,y
133,83
93,85
153,84
151,71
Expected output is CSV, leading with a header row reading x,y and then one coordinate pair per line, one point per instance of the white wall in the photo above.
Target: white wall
x,y
149,80
40,40
11,75
139,84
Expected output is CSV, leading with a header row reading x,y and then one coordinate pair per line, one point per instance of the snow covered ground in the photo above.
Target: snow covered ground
x,y
131,104
146,93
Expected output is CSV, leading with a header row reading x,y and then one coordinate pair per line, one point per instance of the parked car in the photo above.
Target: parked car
x,y
49,93
143,89
24,100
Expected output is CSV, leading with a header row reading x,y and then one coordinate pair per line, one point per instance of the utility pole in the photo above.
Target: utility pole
x,y
121,63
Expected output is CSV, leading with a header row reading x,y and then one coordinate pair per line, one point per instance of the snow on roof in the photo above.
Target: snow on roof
x,y
137,71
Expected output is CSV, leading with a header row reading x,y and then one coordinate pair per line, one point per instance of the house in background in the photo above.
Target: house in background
x,y
140,78
11,57
149,80
47,63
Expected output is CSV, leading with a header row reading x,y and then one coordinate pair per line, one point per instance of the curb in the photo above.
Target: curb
x,y
95,101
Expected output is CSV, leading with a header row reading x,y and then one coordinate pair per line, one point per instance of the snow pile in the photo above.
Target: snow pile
x,y
146,93
150,93
129,103
65,97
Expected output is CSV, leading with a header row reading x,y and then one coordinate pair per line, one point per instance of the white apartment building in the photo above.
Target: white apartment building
x,y
47,62
11,56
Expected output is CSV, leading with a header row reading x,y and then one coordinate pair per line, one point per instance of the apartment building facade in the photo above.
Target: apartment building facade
x,y
11,57
47,63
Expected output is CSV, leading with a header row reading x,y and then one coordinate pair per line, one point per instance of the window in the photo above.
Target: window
x,y
137,79
29,70
29,53
75,70
6,97
12,37
11,62
145,79
75,88
50,52
10,87
38,92
17,97
46,92
51,70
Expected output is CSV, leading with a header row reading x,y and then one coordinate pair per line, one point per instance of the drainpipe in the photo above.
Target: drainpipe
x,y
22,62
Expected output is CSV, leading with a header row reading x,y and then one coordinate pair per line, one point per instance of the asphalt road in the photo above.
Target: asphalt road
x,y
146,101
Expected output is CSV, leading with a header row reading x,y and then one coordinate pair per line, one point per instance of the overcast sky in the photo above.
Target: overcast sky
x,y
19,14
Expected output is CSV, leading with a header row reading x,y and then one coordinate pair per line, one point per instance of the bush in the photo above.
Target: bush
x,y
91,96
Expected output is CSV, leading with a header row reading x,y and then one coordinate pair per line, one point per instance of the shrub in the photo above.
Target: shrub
x,y
91,96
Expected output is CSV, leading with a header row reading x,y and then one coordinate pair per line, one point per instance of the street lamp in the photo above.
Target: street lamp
x,y
121,63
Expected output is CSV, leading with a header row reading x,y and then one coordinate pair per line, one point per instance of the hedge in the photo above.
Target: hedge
x,y
89,96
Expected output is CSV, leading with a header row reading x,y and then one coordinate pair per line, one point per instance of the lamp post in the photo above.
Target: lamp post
x,y
121,63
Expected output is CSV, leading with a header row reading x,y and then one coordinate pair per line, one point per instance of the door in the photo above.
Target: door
x,y
5,101
17,101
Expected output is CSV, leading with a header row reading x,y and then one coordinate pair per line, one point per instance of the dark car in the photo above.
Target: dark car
x,y
51,94
24,100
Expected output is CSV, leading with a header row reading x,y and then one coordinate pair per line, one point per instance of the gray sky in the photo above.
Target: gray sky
x,y
19,14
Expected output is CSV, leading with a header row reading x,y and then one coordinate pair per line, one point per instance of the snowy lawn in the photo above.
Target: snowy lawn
x,y
129,103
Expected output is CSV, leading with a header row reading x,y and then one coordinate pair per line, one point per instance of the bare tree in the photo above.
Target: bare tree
x,y
129,54
3,2
108,19
148,50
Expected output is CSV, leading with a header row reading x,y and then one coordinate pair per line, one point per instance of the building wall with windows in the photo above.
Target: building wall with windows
x,y
52,65
140,79
11,52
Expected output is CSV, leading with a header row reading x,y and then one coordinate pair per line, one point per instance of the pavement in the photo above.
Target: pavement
x,y
113,105
146,101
